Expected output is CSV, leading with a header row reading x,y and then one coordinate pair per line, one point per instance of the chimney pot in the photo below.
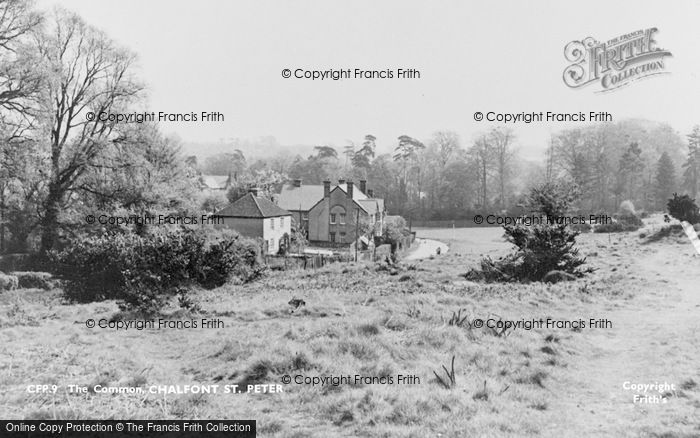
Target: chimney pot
x,y
326,189
350,189
341,181
297,183
363,186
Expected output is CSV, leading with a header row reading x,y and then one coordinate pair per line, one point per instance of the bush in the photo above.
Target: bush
x,y
625,220
541,248
8,282
621,224
34,280
584,227
683,208
143,270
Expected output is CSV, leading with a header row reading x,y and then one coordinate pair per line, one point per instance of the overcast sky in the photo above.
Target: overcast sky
x,y
504,56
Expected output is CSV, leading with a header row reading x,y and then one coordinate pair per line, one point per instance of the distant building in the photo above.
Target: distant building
x,y
328,213
253,216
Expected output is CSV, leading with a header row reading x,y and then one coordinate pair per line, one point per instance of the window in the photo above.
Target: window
x,y
305,216
272,244
342,218
282,222
332,218
342,237
332,237
272,223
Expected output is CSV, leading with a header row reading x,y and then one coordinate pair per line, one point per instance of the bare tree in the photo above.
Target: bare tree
x,y
19,78
502,144
87,76
482,155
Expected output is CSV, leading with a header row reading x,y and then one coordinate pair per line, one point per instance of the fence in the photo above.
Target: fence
x,y
304,261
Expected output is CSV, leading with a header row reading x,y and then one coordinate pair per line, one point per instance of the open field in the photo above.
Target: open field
x,y
371,320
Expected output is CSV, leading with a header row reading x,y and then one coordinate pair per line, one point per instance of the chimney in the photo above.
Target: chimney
x,y
326,189
341,182
350,189
370,193
363,186
253,190
297,183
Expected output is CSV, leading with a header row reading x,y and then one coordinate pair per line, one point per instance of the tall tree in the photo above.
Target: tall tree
x,y
89,74
665,180
691,172
325,152
349,152
406,154
20,76
502,140
483,158
630,170
362,159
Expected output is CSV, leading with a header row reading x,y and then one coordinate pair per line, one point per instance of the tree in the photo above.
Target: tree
x,y
683,208
630,170
483,157
19,76
665,179
691,174
406,154
227,163
88,75
502,140
325,152
349,152
362,159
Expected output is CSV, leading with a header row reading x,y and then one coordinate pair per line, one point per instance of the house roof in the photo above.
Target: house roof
x,y
215,181
305,197
250,206
371,206
299,198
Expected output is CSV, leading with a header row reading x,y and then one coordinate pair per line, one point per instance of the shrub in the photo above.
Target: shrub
x,y
626,219
143,270
34,280
541,248
683,208
584,227
620,224
627,208
8,282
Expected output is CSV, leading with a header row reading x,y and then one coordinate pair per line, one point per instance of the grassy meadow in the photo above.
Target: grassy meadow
x,y
377,320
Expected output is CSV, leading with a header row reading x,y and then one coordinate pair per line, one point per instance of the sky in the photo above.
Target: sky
x,y
502,56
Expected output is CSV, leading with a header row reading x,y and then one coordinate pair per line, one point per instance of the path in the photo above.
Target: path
x,y
654,339
426,248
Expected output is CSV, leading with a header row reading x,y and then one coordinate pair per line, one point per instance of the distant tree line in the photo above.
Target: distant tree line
x,y
444,177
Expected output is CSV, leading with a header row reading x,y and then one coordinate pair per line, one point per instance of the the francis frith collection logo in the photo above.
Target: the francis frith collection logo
x,y
614,63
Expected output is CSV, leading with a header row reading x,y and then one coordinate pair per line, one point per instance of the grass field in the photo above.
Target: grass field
x,y
360,319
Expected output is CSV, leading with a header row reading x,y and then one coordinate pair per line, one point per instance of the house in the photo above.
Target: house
x,y
254,216
329,213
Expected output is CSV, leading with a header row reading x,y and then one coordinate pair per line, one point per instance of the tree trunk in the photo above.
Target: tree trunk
x,y
49,223
2,221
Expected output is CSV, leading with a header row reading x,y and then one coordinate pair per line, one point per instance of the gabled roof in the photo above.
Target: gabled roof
x,y
305,197
371,206
250,206
299,198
